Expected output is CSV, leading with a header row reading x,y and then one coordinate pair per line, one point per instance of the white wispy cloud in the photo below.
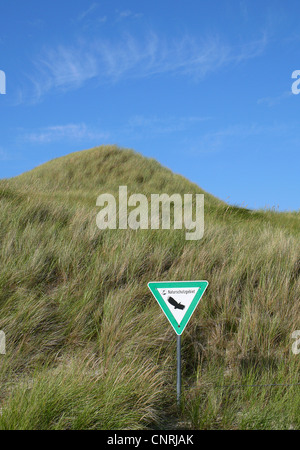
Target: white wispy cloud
x,y
161,125
62,68
127,13
89,18
3,155
135,126
6,155
87,11
227,138
276,100
69,67
101,19
70,132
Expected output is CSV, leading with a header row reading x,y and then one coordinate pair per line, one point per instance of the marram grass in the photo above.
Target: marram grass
x,y
88,346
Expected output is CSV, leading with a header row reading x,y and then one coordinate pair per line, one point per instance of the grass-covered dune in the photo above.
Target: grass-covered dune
x,y
87,345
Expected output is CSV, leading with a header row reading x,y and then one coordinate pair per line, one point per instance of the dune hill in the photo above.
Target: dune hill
x,y
87,345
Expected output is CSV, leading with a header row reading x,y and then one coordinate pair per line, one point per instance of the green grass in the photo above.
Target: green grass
x,y
87,345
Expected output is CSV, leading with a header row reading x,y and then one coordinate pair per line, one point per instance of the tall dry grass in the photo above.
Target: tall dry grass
x,y
87,346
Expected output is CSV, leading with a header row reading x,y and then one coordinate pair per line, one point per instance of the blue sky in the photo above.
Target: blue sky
x,y
202,86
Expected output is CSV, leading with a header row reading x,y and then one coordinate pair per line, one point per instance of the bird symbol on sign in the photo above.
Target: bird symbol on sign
x,y
176,305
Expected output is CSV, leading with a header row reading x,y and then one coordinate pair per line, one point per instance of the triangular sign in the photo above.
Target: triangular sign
x,y
178,300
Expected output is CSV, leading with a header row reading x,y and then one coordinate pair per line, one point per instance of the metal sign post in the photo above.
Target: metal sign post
x,y
178,369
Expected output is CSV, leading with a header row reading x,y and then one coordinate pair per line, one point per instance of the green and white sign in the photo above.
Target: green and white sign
x,y
178,300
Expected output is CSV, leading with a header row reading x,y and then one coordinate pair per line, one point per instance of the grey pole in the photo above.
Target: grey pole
x,y
178,369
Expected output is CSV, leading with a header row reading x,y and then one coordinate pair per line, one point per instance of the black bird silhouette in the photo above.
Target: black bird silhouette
x,y
176,305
